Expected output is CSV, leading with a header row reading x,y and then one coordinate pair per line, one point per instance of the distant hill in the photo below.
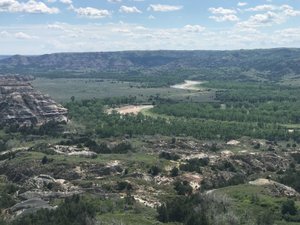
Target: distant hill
x,y
4,56
275,62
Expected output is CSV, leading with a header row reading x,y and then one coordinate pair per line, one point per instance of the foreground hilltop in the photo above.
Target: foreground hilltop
x,y
22,105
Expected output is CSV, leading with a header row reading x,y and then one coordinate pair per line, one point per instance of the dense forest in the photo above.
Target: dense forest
x,y
242,102
241,109
92,114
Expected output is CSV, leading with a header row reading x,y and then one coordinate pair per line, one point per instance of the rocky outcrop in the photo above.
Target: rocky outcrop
x,y
277,189
73,151
29,206
22,105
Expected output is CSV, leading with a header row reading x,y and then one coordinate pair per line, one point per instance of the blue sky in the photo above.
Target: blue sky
x,y
46,26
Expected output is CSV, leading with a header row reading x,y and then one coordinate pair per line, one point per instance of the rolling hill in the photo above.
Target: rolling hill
x,y
270,64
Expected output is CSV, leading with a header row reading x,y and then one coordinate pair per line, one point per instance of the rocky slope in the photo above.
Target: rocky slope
x,y
22,105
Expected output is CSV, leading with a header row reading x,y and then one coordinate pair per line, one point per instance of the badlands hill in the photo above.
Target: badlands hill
x,y
21,104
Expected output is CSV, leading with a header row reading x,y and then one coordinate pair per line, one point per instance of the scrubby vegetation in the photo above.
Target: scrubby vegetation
x,y
224,152
74,211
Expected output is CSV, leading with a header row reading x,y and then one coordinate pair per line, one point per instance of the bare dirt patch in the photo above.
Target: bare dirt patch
x,y
134,109
233,142
194,180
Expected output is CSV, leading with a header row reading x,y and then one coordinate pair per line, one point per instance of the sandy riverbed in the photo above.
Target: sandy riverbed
x,y
188,85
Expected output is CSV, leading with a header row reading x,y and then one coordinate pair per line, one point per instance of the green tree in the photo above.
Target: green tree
x,y
174,172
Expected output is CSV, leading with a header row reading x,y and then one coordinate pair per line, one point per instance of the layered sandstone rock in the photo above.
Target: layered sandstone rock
x,y
22,105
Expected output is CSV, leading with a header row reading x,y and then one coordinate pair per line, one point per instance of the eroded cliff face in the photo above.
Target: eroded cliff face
x,y
22,105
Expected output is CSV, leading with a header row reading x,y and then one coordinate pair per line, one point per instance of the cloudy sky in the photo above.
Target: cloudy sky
x,y
46,26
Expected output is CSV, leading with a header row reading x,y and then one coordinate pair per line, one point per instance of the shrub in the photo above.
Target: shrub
x,y
174,172
169,156
74,210
122,148
183,188
45,160
288,207
154,170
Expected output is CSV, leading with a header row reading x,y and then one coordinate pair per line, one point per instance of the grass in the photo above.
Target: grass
x,y
291,80
286,223
137,215
133,161
255,200
150,113
62,90
130,219
129,158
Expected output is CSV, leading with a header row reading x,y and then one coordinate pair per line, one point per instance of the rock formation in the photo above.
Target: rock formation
x,y
21,105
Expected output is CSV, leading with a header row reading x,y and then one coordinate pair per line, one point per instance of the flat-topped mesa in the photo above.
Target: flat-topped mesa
x,y
21,104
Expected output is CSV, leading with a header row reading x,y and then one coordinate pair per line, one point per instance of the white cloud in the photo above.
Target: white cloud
x,y
261,20
151,17
289,33
241,4
266,18
274,15
141,28
92,13
262,8
120,30
286,9
126,9
289,36
68,2
21,35
4,34
6,3
193,28
55,26
103,37
225,18
223,15
289,10
221,11
30,6
164,8
114,1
